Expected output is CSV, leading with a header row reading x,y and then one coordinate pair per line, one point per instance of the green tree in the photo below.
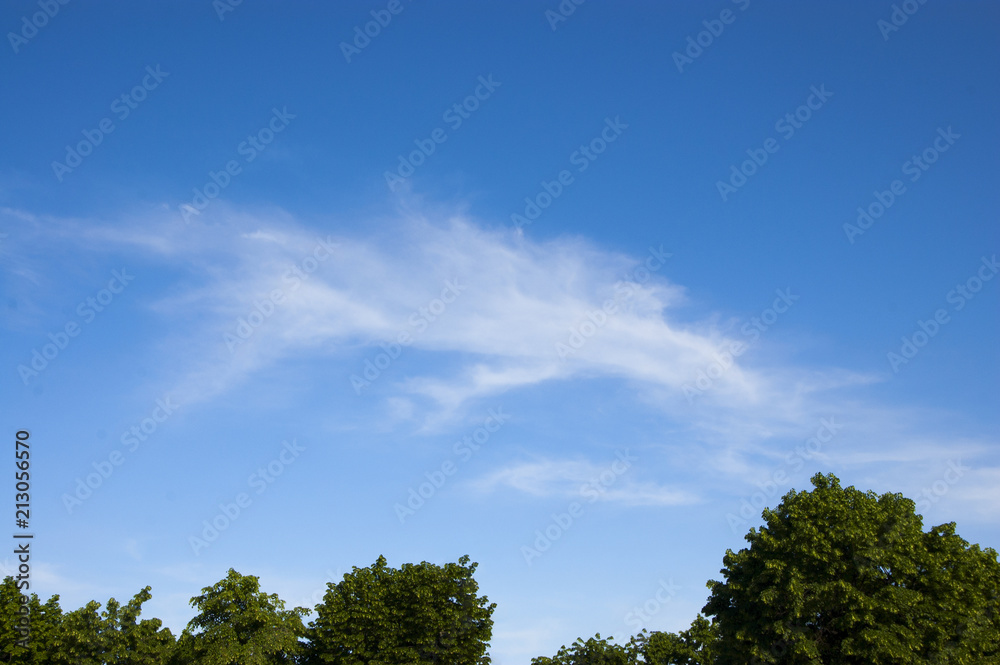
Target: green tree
x,y
847,577
594,651
45,624
82,639
87,636
238,624
694,646
132,642
419,613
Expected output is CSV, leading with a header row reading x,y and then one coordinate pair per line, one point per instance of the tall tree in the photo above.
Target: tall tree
x,y
843,576
419,613
238,624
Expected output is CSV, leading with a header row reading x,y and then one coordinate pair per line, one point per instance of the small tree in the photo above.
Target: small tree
x,y
133,642
694,646
843,576
237,624
421,613
595,651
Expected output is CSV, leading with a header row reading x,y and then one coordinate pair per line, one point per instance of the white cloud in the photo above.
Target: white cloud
x,y
613,482
513,300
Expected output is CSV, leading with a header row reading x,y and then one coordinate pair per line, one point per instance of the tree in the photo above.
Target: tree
x,y
595,651
87,636
82,640
420,613
694,646
132,642
847,577
45,623
237,624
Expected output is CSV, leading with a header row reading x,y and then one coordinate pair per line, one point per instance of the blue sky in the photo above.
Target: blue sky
x,y
217,218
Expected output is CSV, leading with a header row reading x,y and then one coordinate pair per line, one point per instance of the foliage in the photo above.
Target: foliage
x,y
595,651
45,622
237,624
421,613
835,577
842,576
694,646
84,636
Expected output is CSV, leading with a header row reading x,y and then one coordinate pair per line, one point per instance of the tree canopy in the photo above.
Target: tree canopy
x,y
238,624
419,613
843,576
835,576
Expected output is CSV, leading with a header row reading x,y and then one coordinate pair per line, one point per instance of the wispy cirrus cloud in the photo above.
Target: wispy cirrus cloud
x,y
576,478
518,299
